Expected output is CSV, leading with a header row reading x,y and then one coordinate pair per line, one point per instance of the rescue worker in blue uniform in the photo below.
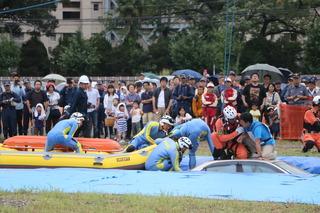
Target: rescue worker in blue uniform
x,y
196,130
62,133
166,156
8,102
150,133
259,133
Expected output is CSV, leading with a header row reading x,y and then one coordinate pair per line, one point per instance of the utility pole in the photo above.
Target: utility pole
x,y
230,13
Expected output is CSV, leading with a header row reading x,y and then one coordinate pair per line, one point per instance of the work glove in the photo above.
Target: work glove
x,y
240,130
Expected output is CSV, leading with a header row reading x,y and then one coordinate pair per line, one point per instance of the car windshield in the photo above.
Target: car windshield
x,y
289,168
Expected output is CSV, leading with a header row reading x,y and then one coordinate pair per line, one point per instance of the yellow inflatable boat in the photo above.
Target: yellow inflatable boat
x,y
10,158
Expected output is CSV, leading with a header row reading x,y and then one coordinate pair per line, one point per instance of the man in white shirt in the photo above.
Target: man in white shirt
x,y
162,99
93,105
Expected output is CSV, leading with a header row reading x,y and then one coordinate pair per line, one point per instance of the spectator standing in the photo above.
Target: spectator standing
x,y
27,116
138,88
229,94
209,105
101,114
272,98
312,89
109,107
146,100
93,106
182,116
135,114
253,92
130,98
36,96
255,112
80,102
192,83
297,94
39,117
121,116
162,99
266,80
17,88
285,89
53,112
183,95
197,102
8,101
123,94
67,93
278,88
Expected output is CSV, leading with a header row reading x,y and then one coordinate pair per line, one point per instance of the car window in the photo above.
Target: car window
x,y
224,168
289,168
258,167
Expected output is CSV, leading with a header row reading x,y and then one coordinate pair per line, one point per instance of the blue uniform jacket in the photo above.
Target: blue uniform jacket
x,y
65,128
148,134
196,130
166,151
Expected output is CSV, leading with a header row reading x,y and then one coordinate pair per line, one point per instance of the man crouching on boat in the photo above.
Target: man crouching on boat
x,y
62,133
167,155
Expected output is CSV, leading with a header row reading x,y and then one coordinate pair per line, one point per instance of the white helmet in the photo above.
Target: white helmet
x,y
166,119
316,100
84,79
66,107
77,116
230,112
185,142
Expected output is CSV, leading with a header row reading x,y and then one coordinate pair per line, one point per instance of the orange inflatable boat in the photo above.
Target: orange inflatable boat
x,y
32,143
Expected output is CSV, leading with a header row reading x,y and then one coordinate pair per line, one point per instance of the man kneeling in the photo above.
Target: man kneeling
x,y
62,133
166,156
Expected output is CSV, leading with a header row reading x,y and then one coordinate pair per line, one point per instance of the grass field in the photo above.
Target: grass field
x,y
51,202
60,202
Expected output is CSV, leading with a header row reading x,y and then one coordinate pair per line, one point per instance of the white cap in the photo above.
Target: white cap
x,y
210,85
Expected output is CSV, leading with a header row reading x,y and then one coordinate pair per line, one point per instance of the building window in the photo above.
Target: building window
x,y
95,6
71,4
71,15
112,36
53,37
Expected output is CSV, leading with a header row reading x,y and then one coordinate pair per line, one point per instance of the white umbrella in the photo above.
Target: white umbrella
x,y
263,69
56,77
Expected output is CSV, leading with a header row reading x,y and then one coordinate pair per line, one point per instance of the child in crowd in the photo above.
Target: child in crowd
x,y
39,116
136,114
274,121
255,112
121,118
183,116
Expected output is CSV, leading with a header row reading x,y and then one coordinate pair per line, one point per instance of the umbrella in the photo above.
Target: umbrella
x,y
151,75
263,69
56,77
285,72
187,73
60,86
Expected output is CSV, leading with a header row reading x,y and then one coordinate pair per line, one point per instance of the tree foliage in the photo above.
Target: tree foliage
x,y
34,58
78,56
9,55
312,56
40,19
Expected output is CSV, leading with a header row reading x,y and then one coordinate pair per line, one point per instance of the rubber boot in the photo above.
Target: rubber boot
x,y
130,148
217,154
308,145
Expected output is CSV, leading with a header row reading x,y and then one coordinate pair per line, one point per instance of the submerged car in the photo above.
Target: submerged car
x,y
249,166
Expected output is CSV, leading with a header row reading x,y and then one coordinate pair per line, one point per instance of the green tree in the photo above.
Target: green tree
x,y
9,55
312,49
159,55
34,58
196,51
78,56
40,19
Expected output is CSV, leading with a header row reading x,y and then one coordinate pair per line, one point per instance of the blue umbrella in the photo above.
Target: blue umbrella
x,y
187,73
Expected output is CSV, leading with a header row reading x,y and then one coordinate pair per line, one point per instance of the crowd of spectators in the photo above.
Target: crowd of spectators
x,y
119,110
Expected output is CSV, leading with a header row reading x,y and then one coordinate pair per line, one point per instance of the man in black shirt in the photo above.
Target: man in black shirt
x,y
253,92
26,114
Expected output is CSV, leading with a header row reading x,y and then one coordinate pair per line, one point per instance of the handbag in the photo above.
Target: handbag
x,y
109,121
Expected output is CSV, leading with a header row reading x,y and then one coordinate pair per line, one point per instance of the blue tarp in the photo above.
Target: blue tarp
x,y
252,187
